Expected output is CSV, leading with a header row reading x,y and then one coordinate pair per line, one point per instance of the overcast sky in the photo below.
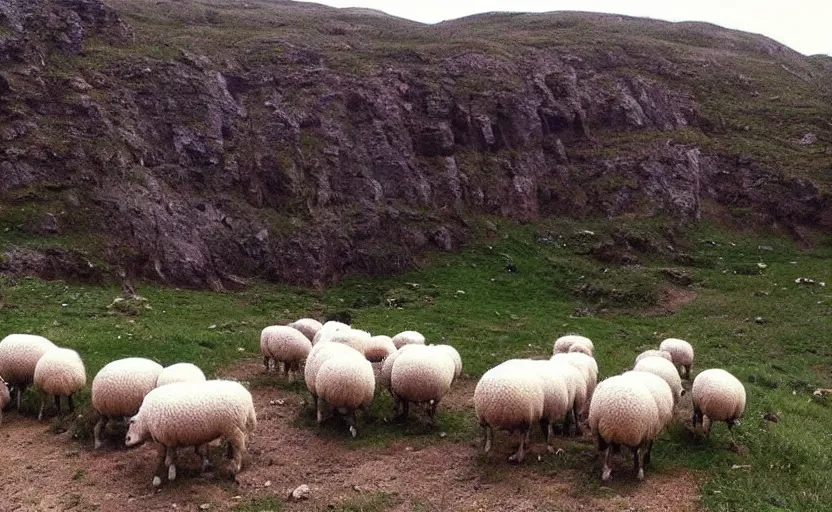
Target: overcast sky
x,y
804,25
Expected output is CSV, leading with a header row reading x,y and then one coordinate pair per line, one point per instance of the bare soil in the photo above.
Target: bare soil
x,y
45,471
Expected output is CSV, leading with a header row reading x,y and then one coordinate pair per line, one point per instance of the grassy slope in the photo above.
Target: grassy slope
x,y
503,314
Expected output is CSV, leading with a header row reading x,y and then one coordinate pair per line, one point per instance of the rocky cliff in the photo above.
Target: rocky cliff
x,y
197,143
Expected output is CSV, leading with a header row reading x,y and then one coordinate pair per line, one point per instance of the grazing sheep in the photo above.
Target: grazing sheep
x,y
580,347
421,375
563,343
377,348
346,382
355,338
408,338
387,367
283,344
576,392
556,399
193,414
119,388
681,353
317,356
510,400
5,397
653,353
19,354
60,372
660,390
180,372
327,330
664,369
624,412
308,326
455,357
717,396
588,368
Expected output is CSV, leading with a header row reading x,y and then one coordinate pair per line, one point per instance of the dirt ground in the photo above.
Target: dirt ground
x,y
45,471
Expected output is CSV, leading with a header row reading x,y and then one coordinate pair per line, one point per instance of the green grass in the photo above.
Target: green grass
x,y
512,295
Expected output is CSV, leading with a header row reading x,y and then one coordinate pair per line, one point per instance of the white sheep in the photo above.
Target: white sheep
x,y
355,338
653,353
660,390
681,353
119,388
509,400
284,344
327,330
624,412
576,392
408,338
422,375
346,382
19,354
588,368
455,357
377,348
5,397
664,369
308,326
717,396
193,414
180,372
59,372
563,343
556,392
317,356
580,347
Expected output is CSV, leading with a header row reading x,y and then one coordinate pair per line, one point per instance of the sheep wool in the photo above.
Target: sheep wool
x,y
355,338
60,372
422,374
408,338
317,356
377,348
180,372
308,326
563,343
576,392
327,330
284,344
455,357
681,353
193,414
556,397
580,347
587,366
717,396
623,412
5,397
119,388
510,400
387,367
653,353
19,354
664,369
661,394
346,383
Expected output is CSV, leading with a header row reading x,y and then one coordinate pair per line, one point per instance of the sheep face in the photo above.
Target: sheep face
x,y
137,431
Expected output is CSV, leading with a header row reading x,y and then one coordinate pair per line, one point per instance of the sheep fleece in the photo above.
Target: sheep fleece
x,y
623,411
180,372
119,388
346,382
719,395
423,374
508,399
60,372
19,354
680,351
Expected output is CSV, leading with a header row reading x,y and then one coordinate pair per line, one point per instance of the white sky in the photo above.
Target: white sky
x,y
804,25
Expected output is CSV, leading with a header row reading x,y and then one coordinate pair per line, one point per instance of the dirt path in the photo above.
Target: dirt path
x,y
44,471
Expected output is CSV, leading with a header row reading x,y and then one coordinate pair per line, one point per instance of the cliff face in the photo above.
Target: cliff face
x,y
195,145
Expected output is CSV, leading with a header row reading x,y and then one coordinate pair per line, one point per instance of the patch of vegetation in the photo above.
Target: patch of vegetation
x,y
262,504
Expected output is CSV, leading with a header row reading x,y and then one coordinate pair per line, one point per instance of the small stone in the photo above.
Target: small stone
x,y
443,434
760,320
268,483
302,492
205,506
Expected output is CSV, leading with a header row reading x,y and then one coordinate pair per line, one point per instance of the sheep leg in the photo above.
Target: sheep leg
x,y
432,412
350,417
161,452
601,443
97,432
71,403
237,443
637,463
606,473
20,390
202,451
320,409
405,411
170,462
545,429
488,438
521,450
706,425
647,452
687,372
58,404
42,404
266,363
577,417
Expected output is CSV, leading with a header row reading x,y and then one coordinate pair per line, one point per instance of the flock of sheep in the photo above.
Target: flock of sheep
x,y
342,368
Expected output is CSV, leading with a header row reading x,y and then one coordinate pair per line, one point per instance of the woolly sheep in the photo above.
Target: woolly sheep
x,y
455,357
119,388
653,353
377,348
387,367
681,353
408,338
180,372
308,326
346,382
317,356
193,414
661,393
563,343
664,369
59,372
576,392
509,400
580,347
624,412
284,344
355,338
5,397
589,369
327,330
717,396
421,375
556,396
19,354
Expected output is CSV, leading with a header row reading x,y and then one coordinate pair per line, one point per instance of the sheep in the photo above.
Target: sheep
x,y
717,396
624,412
19,354
455,357
327,330
580,347
283,344
681,353
660,390
653,353
346,382
377,348
422,375
588,368
563,343
317,356
5,397
193,414
576,392
664,369
180,372
556,392
408,338
119,388
354,338
510,400
59,372
308,326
